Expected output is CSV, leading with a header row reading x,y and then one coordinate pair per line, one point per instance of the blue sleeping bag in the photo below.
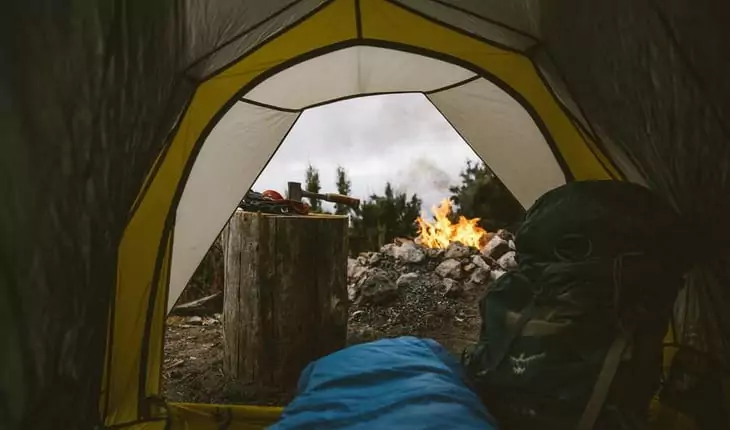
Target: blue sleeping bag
x,y
402,383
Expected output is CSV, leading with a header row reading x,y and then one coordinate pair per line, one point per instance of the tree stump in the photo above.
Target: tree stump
x,y
285,296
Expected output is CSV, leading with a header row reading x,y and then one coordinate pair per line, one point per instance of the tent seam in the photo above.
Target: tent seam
x,y
371,94
165,299
161,157
454,85
238,36
472,148
593,146
564,81
586,131
591,131
268,106
164,249
358,19
455,29
536,119
254,49
487,19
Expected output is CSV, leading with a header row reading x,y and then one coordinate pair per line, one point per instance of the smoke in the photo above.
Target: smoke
x,y
425,173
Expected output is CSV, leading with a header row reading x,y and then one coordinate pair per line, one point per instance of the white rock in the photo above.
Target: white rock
x,y
194,320
352,290
512,245
387,249
496,247
457,250
449,269
376,287
469,267
478,261
406,279
355,270
452,288
508,261
480,276
434,252
409,252
496,274
375,257
504,234
351,264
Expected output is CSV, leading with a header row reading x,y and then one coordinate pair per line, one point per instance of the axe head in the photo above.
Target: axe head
x,y
295,191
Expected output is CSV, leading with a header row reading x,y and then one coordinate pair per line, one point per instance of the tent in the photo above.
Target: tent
x,y
132,130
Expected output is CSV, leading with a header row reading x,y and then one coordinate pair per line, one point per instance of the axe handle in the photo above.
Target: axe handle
x,y
345,200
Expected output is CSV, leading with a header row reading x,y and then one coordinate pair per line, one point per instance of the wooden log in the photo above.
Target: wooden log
x,y
285,295
208,305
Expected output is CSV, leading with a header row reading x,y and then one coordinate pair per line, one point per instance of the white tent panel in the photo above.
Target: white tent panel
x,y
354,71
233,155
504,135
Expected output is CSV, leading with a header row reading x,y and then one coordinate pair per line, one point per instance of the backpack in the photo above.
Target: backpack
x,y
573,338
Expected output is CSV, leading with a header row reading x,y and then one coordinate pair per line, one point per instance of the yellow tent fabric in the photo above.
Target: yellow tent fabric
x,y
499,73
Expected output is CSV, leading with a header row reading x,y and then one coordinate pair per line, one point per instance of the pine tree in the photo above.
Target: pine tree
x,y
382,218
344,187
312,184
481,194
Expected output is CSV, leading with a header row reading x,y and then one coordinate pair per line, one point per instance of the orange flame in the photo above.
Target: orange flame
x,y
442,232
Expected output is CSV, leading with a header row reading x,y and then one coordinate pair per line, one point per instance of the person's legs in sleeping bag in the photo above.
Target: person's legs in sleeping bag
x,y
402,383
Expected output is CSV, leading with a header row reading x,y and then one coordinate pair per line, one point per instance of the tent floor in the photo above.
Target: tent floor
x,y
193,372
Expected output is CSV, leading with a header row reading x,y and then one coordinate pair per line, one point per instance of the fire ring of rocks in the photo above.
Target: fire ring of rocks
x,y
412,288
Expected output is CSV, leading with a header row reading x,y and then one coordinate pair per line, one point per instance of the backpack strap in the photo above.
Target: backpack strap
x,y
603,383
527,313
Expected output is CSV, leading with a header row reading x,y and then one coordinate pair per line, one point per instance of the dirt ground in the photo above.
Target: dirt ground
x,y
193,362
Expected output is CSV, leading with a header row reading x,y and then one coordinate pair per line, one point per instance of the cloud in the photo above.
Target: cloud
x,y
400,139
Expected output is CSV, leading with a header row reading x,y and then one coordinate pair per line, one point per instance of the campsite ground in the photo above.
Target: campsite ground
x,y
193,365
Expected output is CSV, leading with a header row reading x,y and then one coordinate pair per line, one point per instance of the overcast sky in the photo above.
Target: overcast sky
x,y
399,138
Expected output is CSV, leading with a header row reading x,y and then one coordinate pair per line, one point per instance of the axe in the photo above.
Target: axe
x,y
296,193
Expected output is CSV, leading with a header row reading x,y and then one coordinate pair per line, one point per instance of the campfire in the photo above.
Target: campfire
x,y
452,257
441,232
456,258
